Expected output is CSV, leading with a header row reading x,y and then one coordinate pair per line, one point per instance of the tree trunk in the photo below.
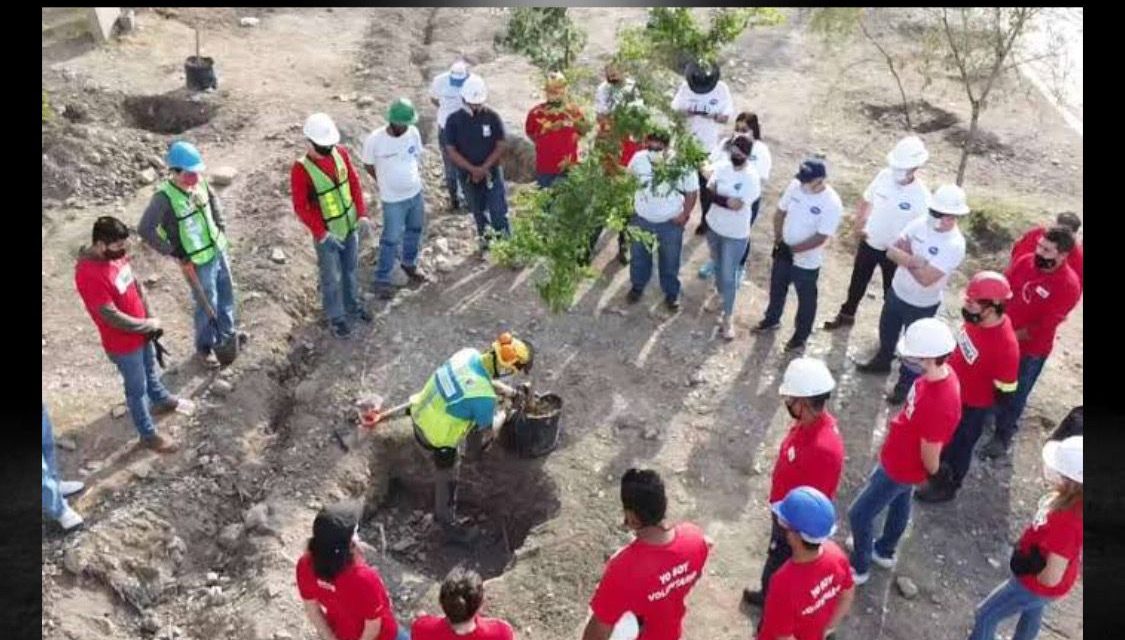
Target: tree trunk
x,y
968,145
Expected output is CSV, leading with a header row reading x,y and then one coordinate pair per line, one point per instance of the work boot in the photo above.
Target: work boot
x,y
340,329
874,366
672,304
707,270
795,345
69,520
634,296
207,359
384,290
726,327
364,315
159,444
622,251
714,304
995,448
753,598
166,407
416,275
841,320
70,487
764,326
936,491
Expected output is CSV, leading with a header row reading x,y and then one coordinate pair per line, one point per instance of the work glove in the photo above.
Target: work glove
x,y
1030,563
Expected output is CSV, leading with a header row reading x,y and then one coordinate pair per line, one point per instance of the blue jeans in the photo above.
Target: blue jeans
x,y
726,253
1008,418
338,262
670,243
403,633
545,180
958,454
402,226
480,196
218,286
53,502
143,387
1005,601
878,494
893,319
753,218
784,273
452,184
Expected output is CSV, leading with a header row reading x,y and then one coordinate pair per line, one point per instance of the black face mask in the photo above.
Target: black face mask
x,y
1043,264
737,161
397,130
324,151
793,412
970,317
114,255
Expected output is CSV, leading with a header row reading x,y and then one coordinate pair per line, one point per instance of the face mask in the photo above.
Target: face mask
x,y
793,412
900,175
324,151
935,223
970,317
188,179
737,160
114,255
1043,264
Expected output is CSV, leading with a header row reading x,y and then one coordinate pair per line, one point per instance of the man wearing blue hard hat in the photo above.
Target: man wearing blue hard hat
x,y
184,220
812,592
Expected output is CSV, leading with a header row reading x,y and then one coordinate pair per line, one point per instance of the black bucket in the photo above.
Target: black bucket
x,y
532,436
200,73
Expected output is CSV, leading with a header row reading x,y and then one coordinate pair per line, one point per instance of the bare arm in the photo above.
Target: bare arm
x,y
370,169
842,607
861,214
118,319
1053,573
595,630
778,224
371,629
812,243
319,622
931,456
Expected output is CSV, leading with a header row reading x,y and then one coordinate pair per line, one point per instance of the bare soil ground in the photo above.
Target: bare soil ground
x,y
201,544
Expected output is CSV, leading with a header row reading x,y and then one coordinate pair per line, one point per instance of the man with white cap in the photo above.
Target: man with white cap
x,y
912,450
814,589
445,94
328,198
812,454
895,198
927,252
475,142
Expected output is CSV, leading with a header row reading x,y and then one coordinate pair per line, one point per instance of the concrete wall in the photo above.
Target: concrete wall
x,y
102,20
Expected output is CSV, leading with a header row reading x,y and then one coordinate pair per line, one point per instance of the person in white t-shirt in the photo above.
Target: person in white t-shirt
x,y
733,185
391,155
707,103
808,214
894,198
663,210
745,124
929,250
615,90
445,94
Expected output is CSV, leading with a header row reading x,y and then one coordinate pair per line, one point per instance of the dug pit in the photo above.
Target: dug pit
x,y
170,114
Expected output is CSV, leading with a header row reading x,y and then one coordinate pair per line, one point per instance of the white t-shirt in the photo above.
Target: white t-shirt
x,y
944,251
447,95
716,101
665,202
759,157
396,163
893,206
733,183
807,214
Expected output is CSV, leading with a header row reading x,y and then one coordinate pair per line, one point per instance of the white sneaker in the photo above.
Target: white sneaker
x,y
70,487
886,563
860,578
69,519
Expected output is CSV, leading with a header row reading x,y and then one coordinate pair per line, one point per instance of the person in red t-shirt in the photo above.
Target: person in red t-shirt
x,y
116,303
344,598
462,594
986,361
555,126
813,590
332,208
1045,290
1030,240
812,454
647,581
1047,558
912,450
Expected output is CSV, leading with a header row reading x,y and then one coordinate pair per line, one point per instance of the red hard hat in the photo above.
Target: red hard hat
x,y
989,285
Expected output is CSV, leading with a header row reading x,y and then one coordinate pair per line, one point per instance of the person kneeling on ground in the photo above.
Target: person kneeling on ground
x,y
462,594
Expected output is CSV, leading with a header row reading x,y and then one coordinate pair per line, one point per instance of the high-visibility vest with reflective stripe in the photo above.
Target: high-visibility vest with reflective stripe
x,y
200,237
334,196
454,381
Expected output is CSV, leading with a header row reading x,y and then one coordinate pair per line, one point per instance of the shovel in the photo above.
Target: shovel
x,y
370,414
226,351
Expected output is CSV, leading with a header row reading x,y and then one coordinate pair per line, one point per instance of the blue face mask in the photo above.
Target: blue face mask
x,y
457,82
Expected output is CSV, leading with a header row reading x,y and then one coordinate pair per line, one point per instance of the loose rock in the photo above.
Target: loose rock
x,y
222,388
223,176
906,587
365,101
148,176
277,255
66,444
119,411
249,22
229,536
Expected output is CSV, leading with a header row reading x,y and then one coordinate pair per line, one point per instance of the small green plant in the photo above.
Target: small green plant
x,y
673,37
547,36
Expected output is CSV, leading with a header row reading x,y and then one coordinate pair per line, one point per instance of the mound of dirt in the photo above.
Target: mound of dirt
x,y
985,143
925,117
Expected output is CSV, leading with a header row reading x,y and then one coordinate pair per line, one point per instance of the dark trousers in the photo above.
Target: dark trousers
x,y
1008,418
704,203
958,454
866,259
777,554
895,317
782,275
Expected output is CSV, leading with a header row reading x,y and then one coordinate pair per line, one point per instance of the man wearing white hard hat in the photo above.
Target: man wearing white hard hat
x,y
1046,561
927,252
328,198
912,450
445,94
475,141
894,199
812,454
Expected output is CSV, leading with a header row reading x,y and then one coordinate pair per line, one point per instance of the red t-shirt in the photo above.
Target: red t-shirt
x,y
932,411
558,147
652,581
1030,240
355,596
438,628
986,358
629,148
304,196
102,282
810,455
1058,532
804,596
1040,303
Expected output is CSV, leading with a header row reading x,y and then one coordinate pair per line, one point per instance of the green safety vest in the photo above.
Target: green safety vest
x,y
200,237
334,196
454,381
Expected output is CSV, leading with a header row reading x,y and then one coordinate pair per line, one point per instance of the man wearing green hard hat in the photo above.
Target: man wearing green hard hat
x,y
392,155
